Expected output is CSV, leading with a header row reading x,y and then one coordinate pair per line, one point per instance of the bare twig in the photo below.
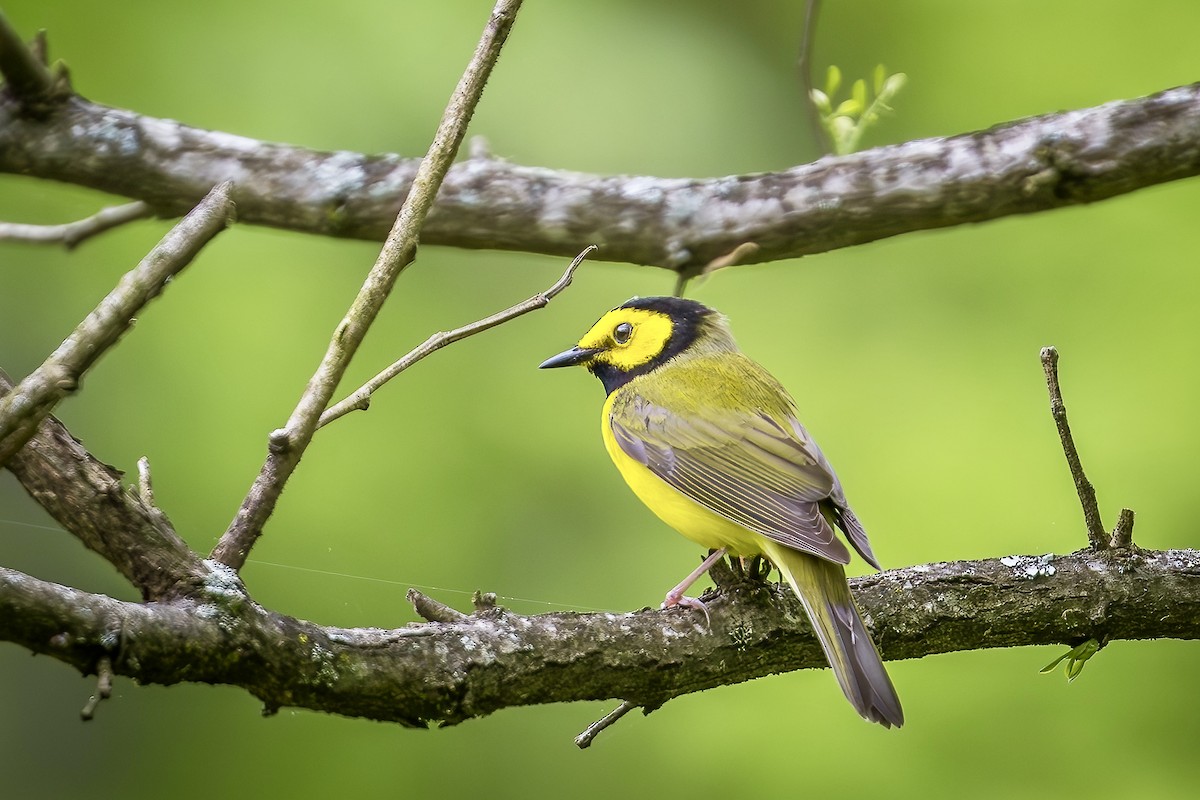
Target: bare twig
x,y
804,66
23,408
104,679
287,444
72,233
360,399
1122,535
584,740
1087,495
24,74
737,255
432,610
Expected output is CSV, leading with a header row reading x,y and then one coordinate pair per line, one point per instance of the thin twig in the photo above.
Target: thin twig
x,y
360,399
584,740
804,65
287,444
72,233
24,74
432,610
22,409
104,679
1087,495
1122,535
735,256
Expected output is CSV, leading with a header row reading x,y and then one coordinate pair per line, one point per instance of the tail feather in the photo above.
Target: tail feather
x,y
822,588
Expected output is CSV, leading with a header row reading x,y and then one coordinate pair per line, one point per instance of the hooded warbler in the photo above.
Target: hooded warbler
x,y
709,440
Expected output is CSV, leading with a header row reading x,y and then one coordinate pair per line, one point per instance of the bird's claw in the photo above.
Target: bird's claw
x,y
673,600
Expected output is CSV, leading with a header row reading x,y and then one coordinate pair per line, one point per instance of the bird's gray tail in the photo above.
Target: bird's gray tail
x,y
822,588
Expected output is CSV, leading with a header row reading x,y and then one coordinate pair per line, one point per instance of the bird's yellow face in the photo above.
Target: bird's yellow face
x,y
642,335
628,338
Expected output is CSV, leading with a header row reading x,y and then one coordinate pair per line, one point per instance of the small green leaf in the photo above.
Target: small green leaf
x,y
849,108
893,85
1050,667
1076,658
833,80
859,93
880,76
821,101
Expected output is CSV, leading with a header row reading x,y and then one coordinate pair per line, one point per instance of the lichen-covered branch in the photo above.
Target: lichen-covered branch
x,y
447,672
204,626
682,224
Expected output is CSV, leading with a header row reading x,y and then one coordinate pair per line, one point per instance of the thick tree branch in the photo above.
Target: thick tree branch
x,y
34,397
449,672
206,628
288,444
1020,167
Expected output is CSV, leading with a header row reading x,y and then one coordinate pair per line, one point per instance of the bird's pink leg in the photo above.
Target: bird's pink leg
x,y
676,596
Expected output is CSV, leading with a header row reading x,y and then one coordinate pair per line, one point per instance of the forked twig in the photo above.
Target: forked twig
x,y
287,444
104,679
360,399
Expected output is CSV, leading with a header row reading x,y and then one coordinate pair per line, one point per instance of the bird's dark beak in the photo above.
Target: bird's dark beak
x,y
570,358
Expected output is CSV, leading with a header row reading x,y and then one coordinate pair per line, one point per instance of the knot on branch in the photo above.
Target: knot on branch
x,y
1062,171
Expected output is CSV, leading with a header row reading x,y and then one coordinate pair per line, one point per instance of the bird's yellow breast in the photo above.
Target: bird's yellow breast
x,y
702,526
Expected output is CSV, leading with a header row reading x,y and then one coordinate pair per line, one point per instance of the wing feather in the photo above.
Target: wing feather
x,y
761,473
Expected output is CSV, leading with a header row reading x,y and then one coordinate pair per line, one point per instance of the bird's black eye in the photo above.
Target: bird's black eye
x,y
622,332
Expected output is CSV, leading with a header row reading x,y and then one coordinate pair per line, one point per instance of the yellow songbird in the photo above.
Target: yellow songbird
x,y
709,440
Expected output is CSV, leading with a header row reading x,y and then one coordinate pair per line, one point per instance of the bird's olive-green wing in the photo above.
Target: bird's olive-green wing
x,y
762,473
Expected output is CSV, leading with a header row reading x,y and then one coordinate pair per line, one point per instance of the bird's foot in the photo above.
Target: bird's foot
x,y
679,599
676,596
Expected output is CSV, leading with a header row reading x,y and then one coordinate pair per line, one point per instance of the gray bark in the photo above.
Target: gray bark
x,y
681,224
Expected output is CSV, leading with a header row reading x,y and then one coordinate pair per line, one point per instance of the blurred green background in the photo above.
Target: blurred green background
x,y
914,361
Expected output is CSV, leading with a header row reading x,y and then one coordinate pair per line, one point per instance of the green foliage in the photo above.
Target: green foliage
x,y
851,118
1076,658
